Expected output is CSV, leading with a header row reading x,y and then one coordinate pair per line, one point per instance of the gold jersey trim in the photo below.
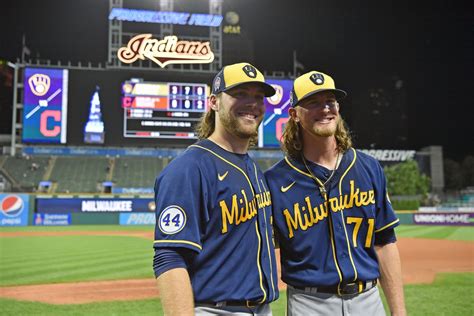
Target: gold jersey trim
x,y
179,242
342,214
388,225
256,222
230,163
266,232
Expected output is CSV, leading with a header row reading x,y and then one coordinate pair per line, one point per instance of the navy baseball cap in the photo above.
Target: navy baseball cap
x,y
311,83
234,75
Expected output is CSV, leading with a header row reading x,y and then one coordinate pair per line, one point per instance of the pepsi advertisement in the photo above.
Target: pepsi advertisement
x,y
93,205
14,209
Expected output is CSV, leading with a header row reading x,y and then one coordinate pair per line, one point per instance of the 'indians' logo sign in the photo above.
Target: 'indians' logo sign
x,y
166,51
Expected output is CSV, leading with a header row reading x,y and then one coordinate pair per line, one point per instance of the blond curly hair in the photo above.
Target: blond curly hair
x,y
292,138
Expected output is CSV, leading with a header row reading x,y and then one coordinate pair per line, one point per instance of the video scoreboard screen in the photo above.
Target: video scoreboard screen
x,y
276,114
45,96
162,109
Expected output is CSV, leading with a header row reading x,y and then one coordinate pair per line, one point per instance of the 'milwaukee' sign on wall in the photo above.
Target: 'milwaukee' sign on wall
x,y
166,51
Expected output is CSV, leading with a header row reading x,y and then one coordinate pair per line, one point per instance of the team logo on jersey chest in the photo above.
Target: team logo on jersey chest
x,y
305,215
241,209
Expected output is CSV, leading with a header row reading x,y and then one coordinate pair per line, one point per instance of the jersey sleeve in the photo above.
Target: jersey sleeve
x,y
180,191
385,215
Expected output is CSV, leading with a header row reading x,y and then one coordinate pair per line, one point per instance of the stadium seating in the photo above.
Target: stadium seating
x,y
85,174
79,174
137,172
24,171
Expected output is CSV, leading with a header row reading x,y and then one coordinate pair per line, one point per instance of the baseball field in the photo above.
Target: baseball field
x,y
106,270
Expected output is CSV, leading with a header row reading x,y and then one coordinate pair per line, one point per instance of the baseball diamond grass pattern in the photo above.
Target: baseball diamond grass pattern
x,y
450,294
436,232
53,259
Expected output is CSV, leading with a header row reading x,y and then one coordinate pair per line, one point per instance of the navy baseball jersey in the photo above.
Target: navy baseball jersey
x,y
217,204
327,240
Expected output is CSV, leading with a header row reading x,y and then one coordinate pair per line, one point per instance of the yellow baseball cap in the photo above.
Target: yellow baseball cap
x,y
311,83
236,74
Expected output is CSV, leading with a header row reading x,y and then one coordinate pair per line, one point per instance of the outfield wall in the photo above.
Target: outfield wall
x,y
61,210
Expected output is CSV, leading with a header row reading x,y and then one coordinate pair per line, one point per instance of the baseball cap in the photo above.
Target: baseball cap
x,y
236,74
311,83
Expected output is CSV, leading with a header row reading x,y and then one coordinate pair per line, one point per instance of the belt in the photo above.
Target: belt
x,y
342,290
247,304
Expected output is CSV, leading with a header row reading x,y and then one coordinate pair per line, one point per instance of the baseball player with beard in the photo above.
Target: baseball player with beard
x,y
214,251
333,217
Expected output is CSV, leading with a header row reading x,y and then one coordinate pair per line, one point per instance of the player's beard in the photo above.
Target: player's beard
x,y
234,125
326,131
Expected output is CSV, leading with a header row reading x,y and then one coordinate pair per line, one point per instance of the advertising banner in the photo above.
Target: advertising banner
x,y
93,205
41,219
14,209
438,218
137,219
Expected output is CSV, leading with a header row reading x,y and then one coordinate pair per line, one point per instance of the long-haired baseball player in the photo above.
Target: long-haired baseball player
x,y
214,252
333,217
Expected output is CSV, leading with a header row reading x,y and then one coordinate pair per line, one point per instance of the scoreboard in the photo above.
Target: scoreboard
x,y
162,109
157,109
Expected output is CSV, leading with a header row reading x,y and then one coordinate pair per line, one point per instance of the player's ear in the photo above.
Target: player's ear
x,y
293,114
213,102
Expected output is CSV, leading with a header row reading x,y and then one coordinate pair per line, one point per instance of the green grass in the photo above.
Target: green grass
x,y
144,228
450,294
141,307
52,259
436,232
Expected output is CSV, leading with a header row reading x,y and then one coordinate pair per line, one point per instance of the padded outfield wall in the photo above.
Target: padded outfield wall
x,y
60,210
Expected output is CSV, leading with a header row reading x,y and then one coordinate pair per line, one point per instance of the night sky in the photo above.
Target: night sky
x,y
428,47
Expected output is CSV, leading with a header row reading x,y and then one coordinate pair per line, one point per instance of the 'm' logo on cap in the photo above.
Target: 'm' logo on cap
x,y
250,71
317,79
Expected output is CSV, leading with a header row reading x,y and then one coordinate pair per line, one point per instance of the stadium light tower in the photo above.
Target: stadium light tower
x,y
167,6
215,35
15,124
118,36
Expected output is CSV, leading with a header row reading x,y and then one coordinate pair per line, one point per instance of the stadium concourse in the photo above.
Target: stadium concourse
x,y
82,174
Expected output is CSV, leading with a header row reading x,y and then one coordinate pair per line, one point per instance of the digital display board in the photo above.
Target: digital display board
x,y
162,110
45,105
94,131
276,114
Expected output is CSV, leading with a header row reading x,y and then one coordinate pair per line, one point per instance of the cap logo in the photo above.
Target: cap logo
x,y
317,79
217,84
250,71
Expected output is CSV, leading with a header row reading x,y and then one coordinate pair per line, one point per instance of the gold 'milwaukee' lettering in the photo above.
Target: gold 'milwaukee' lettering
x,y
305,217
242,209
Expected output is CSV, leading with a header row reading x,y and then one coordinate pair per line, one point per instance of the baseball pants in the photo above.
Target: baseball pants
x,y
261,310
301,303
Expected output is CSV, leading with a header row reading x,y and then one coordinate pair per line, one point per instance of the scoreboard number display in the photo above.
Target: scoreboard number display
x,y
162,109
